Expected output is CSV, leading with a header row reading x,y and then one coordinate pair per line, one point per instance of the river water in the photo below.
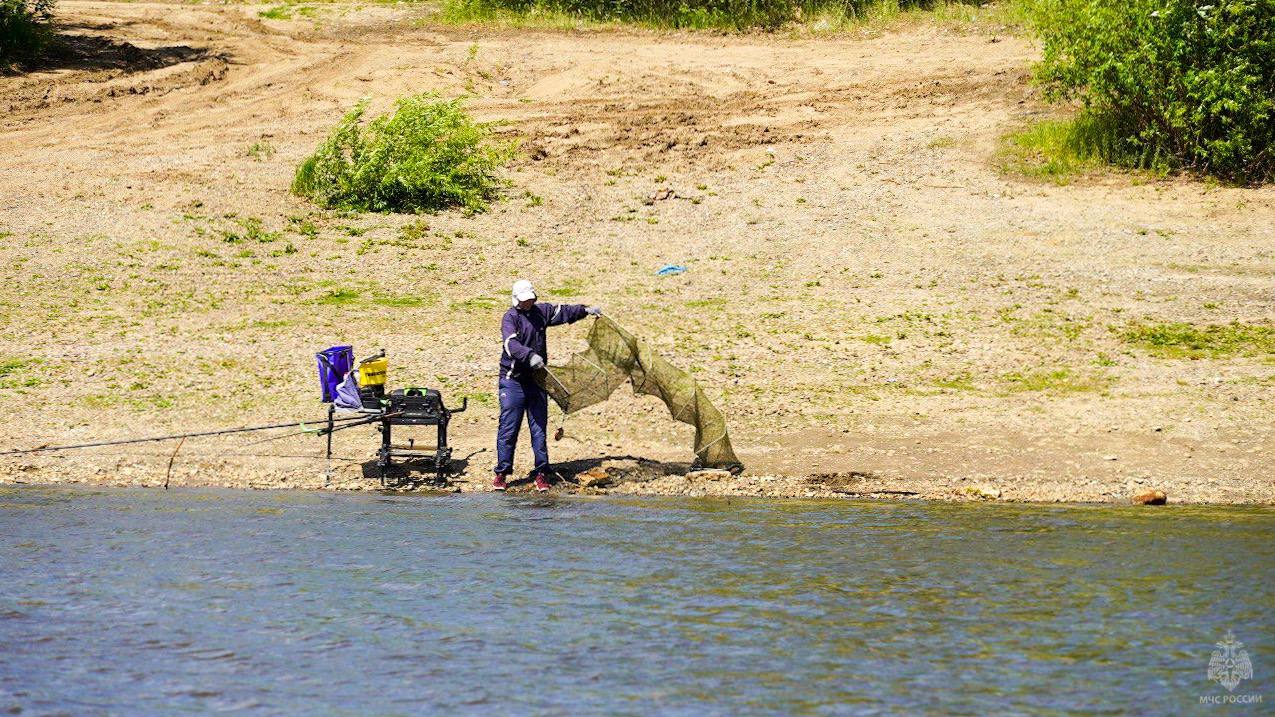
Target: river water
x,y
146,602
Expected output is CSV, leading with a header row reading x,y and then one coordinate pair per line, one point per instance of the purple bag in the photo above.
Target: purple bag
x,y
334,364
347,394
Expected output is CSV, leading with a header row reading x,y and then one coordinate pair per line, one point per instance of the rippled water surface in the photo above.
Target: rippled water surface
x,y
127,602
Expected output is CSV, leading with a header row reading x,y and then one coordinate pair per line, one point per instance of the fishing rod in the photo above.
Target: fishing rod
x,y
356,421
154,439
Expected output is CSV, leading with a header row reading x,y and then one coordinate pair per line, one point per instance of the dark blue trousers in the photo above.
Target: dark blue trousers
x,y
518,398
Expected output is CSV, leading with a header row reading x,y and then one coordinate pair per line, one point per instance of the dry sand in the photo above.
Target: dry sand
x,y
877,308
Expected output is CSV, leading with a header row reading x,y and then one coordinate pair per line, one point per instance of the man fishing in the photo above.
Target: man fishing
x,y
522,333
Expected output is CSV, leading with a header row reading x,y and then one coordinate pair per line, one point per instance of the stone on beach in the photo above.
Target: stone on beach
x,y
595,477
986,492
1150,497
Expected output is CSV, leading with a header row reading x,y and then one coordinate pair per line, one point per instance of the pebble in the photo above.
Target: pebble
x,y
594,477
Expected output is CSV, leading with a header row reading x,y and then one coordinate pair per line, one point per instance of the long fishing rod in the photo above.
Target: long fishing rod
x,y
357,421
153,439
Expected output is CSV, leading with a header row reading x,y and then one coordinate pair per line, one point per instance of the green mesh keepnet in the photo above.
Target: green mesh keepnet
x,y
615,356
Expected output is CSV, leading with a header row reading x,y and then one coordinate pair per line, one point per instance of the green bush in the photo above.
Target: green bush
x,y
1172,83
425,156
726,14
25,29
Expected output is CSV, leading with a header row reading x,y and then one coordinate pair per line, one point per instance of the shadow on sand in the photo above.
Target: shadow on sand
x,y
78,47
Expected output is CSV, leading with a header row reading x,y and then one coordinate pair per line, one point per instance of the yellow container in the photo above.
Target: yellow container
x,y
372,373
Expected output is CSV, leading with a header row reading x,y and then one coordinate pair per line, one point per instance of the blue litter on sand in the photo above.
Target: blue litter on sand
x,y
670,270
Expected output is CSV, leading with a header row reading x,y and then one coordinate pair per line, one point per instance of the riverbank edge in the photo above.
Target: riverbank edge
x,y
776,487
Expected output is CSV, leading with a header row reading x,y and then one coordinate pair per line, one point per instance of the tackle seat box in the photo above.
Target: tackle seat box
x,y
418,406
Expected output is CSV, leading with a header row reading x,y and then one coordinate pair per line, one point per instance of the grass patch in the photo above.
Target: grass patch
x,y
278,12
817,16
1048,324
482,398
339,297
248,229
1182,340
401,301
260,151
543,16
477,303
425,156
1057,150
569,289
137,404
14,373
271,324
961,382
303,225
9,366
415,232
1053,381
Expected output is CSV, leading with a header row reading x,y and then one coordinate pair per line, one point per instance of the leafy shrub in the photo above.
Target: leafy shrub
x,y
425,156
1172,83
25,29
730,14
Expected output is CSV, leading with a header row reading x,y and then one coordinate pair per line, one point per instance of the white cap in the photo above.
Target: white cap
x,y
523,291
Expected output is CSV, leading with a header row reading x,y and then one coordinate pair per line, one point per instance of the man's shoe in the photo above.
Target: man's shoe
x,y
542,485
499,482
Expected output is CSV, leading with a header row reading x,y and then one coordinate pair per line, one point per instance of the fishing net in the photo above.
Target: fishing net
x,y
615,356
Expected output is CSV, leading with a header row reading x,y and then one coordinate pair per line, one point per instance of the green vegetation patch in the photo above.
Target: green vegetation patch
x,y
140,403
959,382
688,14
278,12
26,28
1163,83
1182,340
286,12
16,373
569,288
349,296
1060,380
260,151
402,301
477,303
425,156
248,229
1053,150
339,297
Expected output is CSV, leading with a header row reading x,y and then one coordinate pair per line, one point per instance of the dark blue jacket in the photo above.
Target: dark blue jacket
x,y
523,333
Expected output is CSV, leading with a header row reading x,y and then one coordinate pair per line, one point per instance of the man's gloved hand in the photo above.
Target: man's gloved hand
x,y
593,310
536,362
